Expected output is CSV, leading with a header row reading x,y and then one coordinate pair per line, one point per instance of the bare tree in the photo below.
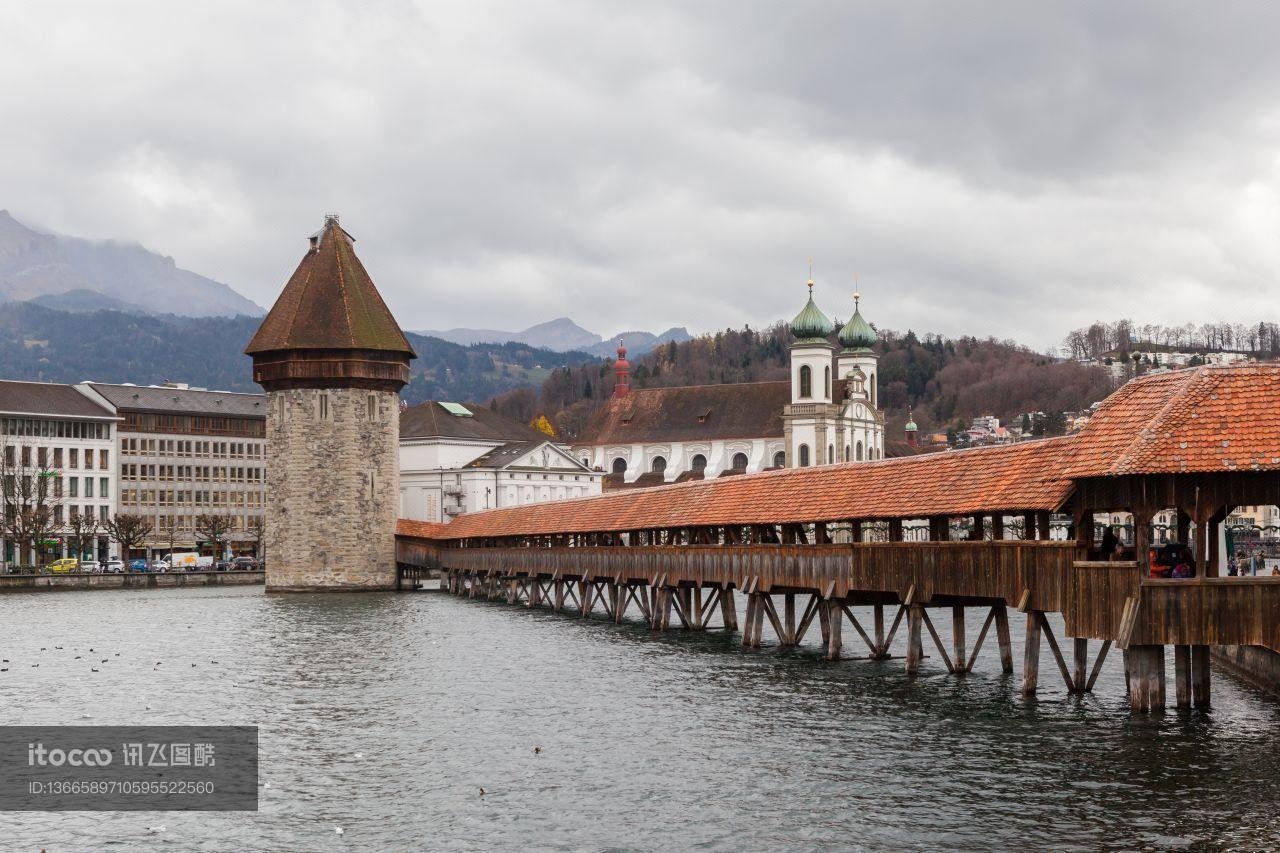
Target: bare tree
x,y
258,527
29,493
212,527
82,532
129,530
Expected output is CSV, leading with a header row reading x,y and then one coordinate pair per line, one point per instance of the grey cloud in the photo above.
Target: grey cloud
x,y
1008,169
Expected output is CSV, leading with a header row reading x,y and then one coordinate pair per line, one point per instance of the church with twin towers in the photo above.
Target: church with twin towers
x,y
333,360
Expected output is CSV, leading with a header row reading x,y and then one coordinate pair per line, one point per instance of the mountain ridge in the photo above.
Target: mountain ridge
x,y
78,274
564,335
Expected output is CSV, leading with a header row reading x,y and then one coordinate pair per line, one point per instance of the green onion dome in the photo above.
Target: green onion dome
x,y
857,333
811,323
911,422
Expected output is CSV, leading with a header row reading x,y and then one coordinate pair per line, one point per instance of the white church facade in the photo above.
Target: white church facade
x,y
827,412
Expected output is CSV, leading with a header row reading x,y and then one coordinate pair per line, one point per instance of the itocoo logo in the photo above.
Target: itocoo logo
x,y
38,756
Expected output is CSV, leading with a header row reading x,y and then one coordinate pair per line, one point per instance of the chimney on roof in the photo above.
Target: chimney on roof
x,y
622,373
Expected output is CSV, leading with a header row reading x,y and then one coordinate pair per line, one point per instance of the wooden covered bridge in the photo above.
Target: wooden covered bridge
x,y
808,546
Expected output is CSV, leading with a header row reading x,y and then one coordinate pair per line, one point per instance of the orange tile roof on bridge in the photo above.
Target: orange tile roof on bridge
x,y
1210,419
1016,478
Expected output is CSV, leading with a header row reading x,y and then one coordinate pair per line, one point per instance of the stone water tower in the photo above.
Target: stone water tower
x,y
332,360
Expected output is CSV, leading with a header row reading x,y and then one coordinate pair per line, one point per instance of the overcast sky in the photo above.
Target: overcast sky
x,y
1005,170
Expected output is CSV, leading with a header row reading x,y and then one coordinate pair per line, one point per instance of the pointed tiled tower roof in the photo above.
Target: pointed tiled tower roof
x,y
330,328
330,303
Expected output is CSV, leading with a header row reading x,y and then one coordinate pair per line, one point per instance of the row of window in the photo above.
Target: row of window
x,y
39,428
856,455
182,447
162,525
29,494
193,473
101,513
189,497
698,463
76,490
51,457
248,427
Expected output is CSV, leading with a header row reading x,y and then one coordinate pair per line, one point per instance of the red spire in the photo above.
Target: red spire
x,y
622,373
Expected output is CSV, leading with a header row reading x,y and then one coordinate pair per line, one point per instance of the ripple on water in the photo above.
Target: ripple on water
x,y
647,741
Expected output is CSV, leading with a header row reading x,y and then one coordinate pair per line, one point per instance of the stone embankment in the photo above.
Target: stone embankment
x,y
128,580
1255,664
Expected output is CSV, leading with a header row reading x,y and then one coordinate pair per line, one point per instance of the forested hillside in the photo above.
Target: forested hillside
x,y
40,343
945,382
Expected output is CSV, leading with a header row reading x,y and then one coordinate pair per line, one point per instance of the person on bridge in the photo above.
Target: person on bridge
x,y
1109,543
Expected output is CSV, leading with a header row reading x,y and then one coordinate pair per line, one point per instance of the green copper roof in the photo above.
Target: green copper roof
x,y
857,333
911,423
811,323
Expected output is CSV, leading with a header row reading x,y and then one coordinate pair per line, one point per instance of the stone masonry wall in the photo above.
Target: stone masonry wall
x,y
333,489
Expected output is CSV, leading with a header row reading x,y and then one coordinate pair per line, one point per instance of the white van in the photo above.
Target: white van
x,y
204,563
184,562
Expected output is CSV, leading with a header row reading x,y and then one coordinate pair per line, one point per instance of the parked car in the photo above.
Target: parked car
x,y
161,565
115,565
139,565
244,564
64,566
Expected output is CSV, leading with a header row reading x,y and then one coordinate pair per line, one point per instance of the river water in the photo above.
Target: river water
x,y
648,741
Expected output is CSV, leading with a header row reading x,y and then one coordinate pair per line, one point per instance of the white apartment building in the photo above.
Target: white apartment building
x,y
456,459
52,431
185,452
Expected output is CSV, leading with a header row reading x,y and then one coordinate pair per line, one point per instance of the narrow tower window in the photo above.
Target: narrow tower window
x,y
373,407
324,407
827,382
806,381
804,456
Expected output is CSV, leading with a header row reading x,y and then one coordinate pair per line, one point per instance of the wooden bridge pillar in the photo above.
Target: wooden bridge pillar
x,y
1080,671
558,601
957,640
728,609
1145,666
1031,655
535,591
1182,676
835,622
754,622
1002,635
915,642
881,651
1200,676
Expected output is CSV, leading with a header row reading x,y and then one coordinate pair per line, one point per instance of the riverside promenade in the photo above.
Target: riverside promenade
x,y
822,547
127,580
